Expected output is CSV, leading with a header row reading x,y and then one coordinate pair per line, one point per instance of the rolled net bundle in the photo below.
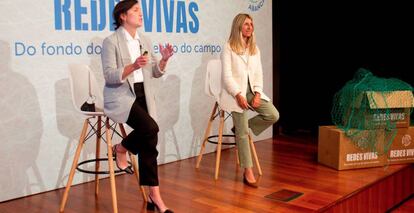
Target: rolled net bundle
x,y
368,108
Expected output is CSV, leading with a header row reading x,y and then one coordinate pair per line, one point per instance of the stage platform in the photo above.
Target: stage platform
x,y
289,165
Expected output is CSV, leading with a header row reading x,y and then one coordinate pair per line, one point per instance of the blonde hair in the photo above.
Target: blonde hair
x,y
236,37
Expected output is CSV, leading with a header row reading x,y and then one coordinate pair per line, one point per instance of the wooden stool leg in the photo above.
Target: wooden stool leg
x,y
207,132
98,150
253,148
74,164
220,138
111,166
134,164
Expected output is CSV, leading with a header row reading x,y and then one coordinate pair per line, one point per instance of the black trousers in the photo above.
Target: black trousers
x,y
143,139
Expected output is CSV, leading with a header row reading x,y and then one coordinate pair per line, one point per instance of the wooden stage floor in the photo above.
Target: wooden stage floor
x,y
287,163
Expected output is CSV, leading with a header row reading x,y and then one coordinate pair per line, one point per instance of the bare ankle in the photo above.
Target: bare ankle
x,y
120,149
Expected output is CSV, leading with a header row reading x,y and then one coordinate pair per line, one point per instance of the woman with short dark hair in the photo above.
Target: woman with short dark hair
x,y
129,68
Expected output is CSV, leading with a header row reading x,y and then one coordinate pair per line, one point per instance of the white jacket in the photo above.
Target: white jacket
x,y
235,74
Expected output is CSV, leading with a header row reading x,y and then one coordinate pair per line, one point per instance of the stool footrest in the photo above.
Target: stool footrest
x,y
93,171
224,136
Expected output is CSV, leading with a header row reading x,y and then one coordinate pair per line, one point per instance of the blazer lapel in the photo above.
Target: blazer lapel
x,y
123,48
248,60
145,47
124,52
241,57
143,44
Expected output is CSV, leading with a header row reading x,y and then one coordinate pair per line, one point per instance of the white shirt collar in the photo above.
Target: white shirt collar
x,y
128,36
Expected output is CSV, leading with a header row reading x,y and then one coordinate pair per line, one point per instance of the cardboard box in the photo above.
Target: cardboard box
x,y
402,148
383,107
336,150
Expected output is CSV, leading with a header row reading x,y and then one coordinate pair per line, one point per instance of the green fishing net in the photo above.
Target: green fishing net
x,y
368,109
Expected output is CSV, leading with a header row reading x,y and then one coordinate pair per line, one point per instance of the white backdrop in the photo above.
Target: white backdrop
x,y
40,128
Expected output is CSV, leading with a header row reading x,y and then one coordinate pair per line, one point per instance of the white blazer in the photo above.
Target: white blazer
x,y
236,73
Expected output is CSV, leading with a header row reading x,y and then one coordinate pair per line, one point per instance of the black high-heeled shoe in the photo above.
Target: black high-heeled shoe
x,y
152,206
128,169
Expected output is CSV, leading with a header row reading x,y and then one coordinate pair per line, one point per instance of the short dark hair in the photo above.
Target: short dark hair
x,y
120,8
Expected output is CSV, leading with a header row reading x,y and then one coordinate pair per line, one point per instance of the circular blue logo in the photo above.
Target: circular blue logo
x,y
255,5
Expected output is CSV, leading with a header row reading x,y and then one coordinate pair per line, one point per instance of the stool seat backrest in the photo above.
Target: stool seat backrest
x,y
83,84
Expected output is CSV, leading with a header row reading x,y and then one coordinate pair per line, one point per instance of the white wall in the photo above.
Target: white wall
x,y
40,128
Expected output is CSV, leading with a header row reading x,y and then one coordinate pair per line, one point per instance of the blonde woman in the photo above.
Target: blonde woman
x,y
243,79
